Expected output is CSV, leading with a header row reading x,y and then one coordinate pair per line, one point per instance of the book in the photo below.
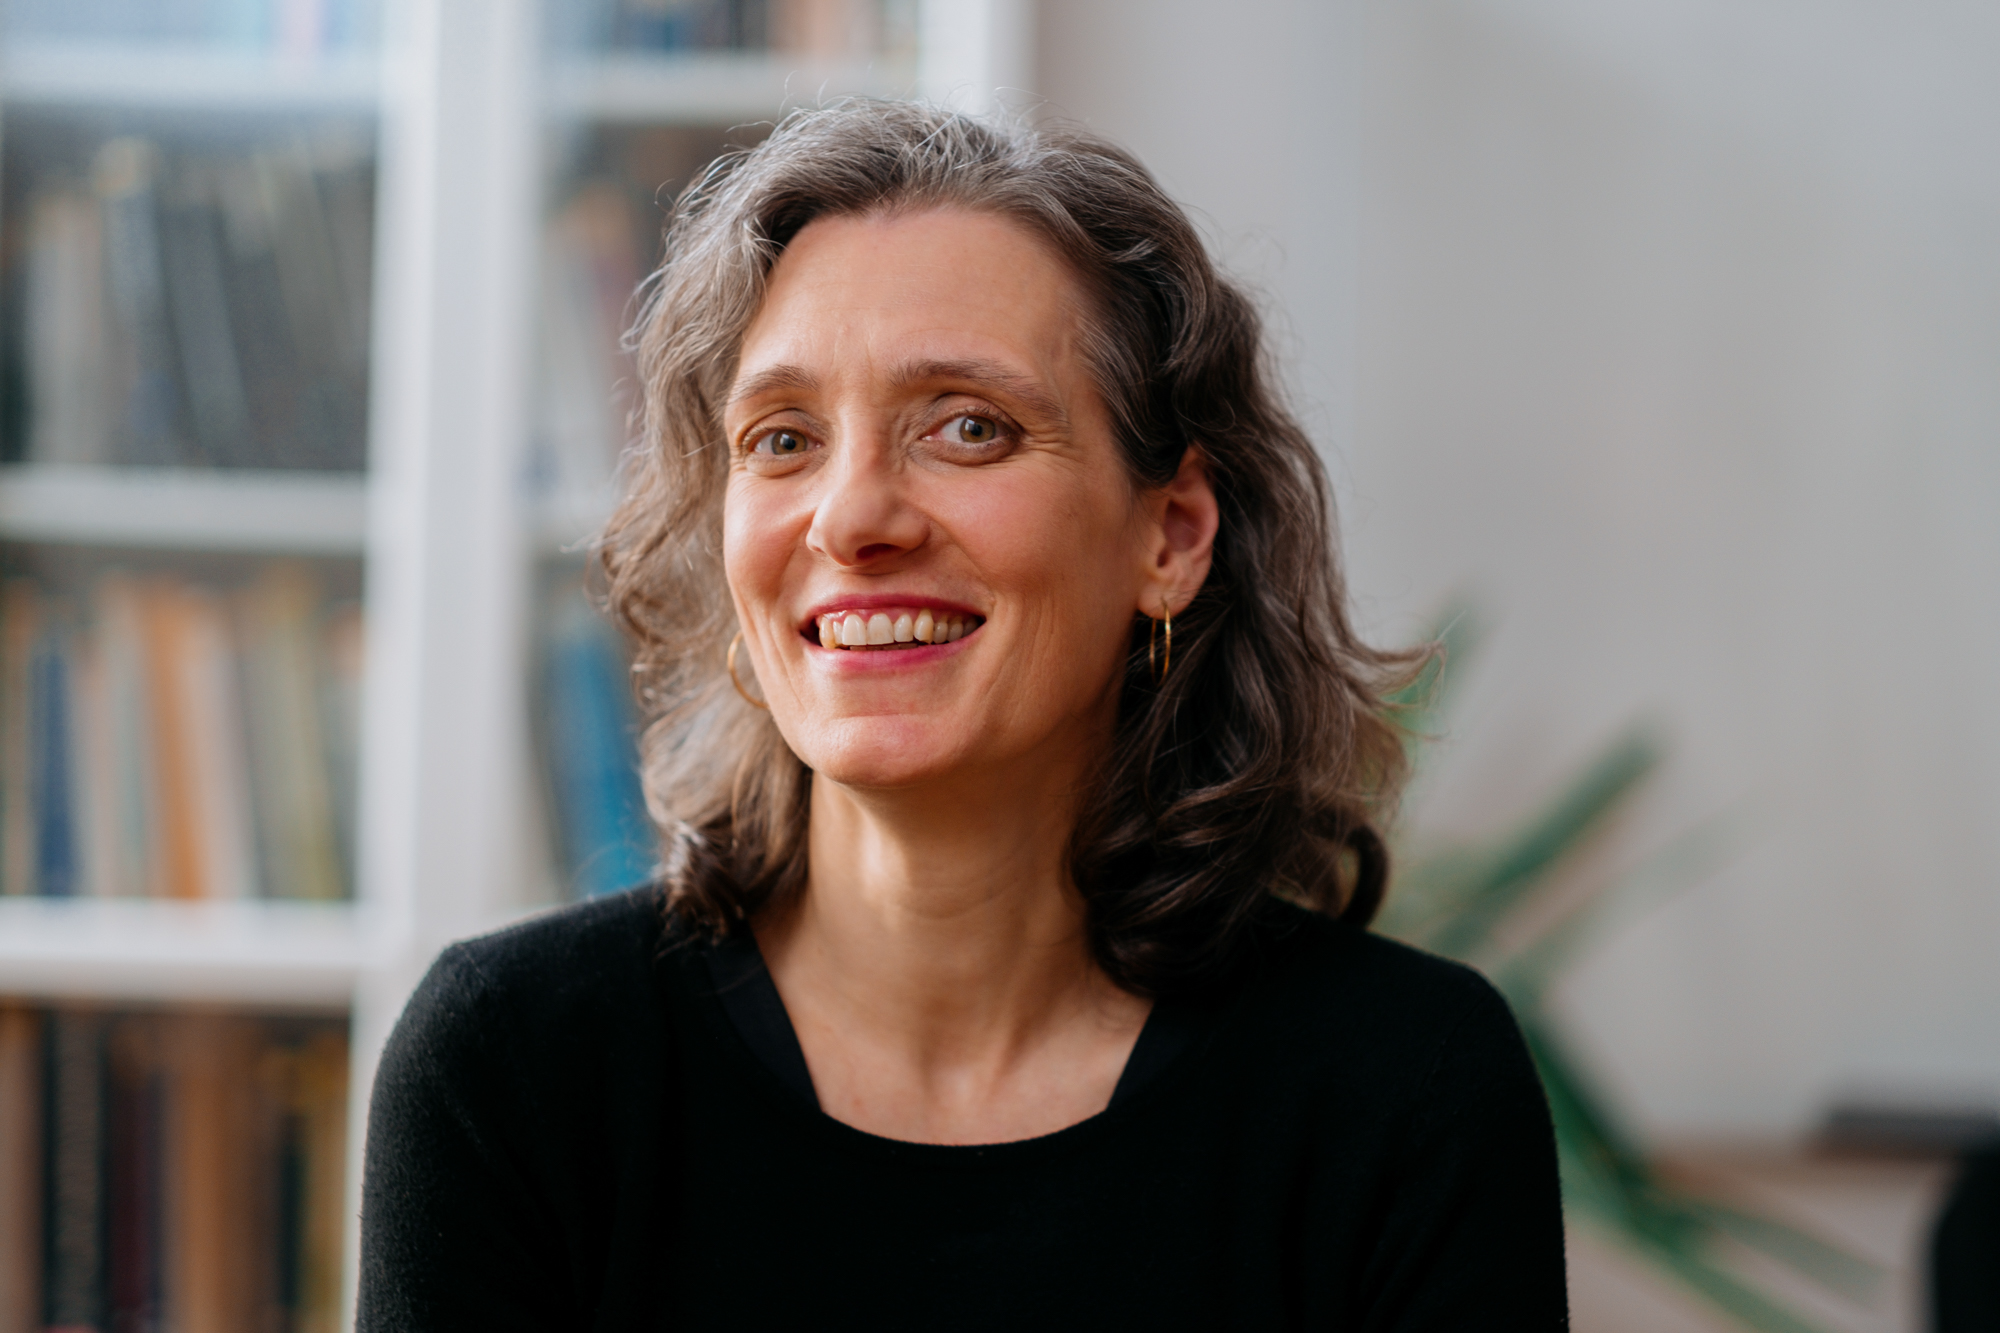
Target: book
x,y
95,773
295,812
116,745
343,650
20,1169
203,830
326,427
592,736
74,1272
217,763
64,327
20,626
256,310
311,1076
211,376
178,827
135,1185
58,844
149,430
220,1213
343,166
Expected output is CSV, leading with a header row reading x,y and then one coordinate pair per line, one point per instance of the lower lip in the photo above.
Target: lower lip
x,y
849,659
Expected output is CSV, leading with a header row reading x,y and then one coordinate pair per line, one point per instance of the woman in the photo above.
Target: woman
x,y
1018,763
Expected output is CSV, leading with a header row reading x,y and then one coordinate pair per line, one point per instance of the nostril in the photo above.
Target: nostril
x,y
875,549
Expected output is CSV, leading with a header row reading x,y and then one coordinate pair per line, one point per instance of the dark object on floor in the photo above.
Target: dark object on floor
x,y
1882,1130
1965,1249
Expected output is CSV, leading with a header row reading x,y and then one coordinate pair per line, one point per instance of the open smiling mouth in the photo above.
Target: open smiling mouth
x,y
893,627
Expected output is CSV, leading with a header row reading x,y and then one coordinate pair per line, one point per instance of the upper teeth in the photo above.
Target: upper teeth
x,y
890,626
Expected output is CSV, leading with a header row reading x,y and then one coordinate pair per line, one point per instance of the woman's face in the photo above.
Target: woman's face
x,y
933,546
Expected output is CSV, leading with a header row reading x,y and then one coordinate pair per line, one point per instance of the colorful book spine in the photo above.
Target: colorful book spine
x,y
21,1061
183,860
20,626
277,616
64,322
118,728
221,1145
125,173
312,1078
217,763
58,869
344,651
210,374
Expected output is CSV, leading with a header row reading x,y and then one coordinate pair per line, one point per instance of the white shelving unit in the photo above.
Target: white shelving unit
x,y
445,826
268,955
168,78
295,513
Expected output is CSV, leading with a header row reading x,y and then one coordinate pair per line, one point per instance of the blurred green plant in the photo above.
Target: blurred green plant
x,y
1507,906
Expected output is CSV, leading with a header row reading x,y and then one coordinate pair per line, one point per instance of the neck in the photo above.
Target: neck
x,y
937,968
941,918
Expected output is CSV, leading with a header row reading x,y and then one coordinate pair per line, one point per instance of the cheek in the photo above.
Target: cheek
x,y
754,549
1057,544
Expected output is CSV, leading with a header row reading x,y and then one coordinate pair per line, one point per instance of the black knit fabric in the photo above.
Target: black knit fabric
x,y
569,1132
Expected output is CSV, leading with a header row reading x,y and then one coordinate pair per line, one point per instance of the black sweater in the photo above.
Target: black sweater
x,y
569,1132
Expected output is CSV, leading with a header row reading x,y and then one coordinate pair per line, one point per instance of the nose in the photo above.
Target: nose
x,y
864,516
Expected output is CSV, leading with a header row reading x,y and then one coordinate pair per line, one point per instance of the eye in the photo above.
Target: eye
x,y
780,444
970,429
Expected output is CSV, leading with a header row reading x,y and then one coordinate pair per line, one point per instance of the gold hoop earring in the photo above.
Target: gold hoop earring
x,y
730,660
1161,668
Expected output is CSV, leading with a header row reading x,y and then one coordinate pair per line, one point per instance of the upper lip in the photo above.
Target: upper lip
x,y
873,601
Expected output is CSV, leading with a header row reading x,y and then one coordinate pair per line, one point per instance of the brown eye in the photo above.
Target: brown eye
x,y
780,443
975,430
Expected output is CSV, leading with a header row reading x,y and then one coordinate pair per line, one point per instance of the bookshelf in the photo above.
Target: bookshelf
x,y
468,129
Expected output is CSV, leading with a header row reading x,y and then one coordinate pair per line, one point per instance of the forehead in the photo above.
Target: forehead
x,y
938,283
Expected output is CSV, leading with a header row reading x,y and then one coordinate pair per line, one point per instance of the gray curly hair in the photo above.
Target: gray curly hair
x,y
1263,762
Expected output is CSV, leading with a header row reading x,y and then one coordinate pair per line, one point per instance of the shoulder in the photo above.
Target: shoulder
x,y
514,1112
1340,1001
569,949
587,968
1330,968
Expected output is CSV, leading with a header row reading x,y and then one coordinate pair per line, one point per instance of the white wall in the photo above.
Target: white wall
x,y
1246,113
1667,329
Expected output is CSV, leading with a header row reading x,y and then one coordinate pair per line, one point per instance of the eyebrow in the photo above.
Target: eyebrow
x,y
1030,394
773,379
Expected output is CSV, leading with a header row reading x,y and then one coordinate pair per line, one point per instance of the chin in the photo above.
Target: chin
x,y
882,751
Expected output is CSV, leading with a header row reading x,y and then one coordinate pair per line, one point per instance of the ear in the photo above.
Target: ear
x,y
1180,537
